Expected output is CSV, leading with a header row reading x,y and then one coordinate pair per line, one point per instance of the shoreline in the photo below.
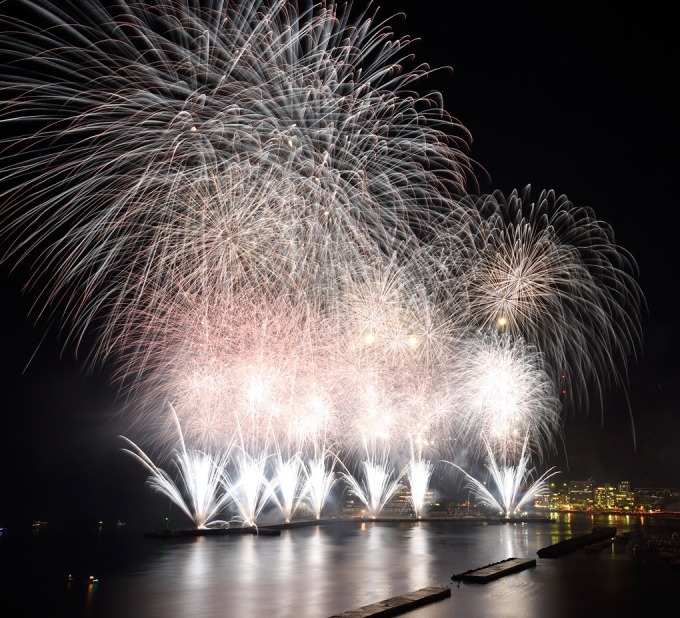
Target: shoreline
x,y
274,529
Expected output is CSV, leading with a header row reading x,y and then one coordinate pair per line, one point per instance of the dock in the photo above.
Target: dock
x,y
577,542
495,570
399,604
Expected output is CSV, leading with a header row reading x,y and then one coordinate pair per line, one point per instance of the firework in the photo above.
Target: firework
x,y
200,494
377,486
249,488
320,479
551,273
514,483
288,481
158,143
418,474
248,209
238,369
505,394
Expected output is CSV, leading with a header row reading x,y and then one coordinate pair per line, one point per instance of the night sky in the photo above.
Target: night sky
x,y
567,96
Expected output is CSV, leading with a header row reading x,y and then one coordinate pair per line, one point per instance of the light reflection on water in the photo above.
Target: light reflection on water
x,y
321,570
419,555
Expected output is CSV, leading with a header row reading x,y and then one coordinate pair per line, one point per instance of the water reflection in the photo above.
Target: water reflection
x,y
90,596
321,570
418,556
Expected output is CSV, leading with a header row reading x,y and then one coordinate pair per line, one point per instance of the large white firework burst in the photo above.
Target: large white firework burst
x,y
145,139
238,369
506,401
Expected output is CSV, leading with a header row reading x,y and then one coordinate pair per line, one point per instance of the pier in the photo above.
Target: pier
x,y
495,570
399,604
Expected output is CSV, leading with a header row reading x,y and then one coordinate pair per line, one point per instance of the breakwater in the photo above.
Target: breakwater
x,y
399,604
577,542
495,570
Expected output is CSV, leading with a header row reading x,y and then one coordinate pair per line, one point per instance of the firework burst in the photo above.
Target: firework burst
x,y
320,477
505,394
552,274
157,141
201,492
377,485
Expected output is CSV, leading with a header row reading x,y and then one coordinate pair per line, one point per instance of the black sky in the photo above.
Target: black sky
x,y
564,96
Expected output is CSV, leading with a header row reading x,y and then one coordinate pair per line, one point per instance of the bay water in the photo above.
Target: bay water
x,y
320,570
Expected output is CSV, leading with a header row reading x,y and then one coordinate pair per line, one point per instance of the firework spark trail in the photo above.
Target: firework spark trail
x,y
248,486
201,494
274,369
320,477
288,480
254,371
393,370
138,106
377,486
514,482
418,474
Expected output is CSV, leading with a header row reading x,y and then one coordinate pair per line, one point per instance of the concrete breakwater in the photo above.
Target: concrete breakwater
x,y
495,570
577,542
514,565
399,604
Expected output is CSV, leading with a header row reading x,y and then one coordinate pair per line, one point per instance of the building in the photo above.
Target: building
x,y
655,498
587,495
582,494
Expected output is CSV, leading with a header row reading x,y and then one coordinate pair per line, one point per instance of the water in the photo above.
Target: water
x,y
321,570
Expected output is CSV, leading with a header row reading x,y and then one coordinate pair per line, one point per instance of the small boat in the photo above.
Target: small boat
x,y
120,523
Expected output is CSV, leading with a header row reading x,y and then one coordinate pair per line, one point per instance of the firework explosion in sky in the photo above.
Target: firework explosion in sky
x,y
253,213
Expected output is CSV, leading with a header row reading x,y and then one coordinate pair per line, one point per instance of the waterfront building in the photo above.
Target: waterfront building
x,y
582,494
587,495
604,497
625,498
655,498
